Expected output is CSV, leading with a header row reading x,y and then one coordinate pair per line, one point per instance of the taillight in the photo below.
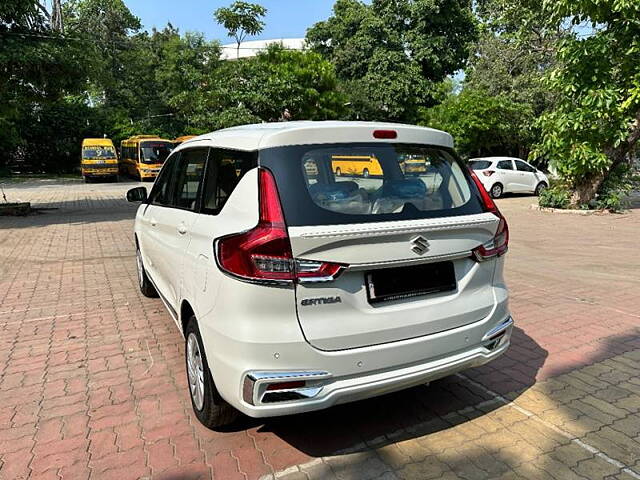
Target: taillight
x,y
499,244
488,173
264,252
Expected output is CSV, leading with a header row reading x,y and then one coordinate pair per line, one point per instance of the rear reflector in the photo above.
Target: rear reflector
x,y
385,134
499,244
286,385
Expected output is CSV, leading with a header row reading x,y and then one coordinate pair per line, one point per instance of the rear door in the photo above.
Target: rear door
x,y
406,242
174,223
149,235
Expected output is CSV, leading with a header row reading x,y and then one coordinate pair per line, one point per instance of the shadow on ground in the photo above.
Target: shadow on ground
x,y
394,417
84,211
354,436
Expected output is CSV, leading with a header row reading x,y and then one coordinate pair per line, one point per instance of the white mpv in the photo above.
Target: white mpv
x,y
297,288
508,175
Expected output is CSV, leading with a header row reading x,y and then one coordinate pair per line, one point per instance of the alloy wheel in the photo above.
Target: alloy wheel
x,y
195,371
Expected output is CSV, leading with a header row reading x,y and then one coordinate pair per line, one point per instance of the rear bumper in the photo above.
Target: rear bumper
x,y
144,174
324,391
104,172
343,377
487,182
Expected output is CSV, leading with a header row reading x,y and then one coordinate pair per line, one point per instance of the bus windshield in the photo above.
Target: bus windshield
x,y
155,152
97,152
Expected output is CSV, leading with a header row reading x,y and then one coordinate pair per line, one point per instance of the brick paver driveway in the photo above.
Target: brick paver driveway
x,y
92,381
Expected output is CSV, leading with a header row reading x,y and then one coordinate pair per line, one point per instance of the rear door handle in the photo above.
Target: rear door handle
x,y
182,229
153,222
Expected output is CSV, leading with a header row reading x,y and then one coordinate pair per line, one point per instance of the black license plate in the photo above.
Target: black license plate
x,y
399,283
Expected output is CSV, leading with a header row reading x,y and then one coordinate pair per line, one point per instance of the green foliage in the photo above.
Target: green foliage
x,y
262,87
615,188
38,68
482,124
596,123
390,54
557,196
241,19
106,77
513,51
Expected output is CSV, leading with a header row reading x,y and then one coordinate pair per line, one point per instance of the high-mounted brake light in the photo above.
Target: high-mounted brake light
x,y
499,244
263,254
385,134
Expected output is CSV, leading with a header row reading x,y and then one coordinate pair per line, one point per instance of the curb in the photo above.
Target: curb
x,y
567,211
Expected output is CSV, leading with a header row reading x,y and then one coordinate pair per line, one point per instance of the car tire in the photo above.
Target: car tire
x,y
338,172
365,173
210,408
146,287
496,190
541,187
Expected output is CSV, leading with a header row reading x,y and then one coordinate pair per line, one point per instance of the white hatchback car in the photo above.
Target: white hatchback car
x,y
508,175
297,289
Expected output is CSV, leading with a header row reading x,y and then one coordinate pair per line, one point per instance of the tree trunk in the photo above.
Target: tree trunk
x,y
586,190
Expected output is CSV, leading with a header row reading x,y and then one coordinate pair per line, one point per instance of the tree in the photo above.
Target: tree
x,y
261,88
483,124
514,50
38,68
595,127
390,54
107,27
241,19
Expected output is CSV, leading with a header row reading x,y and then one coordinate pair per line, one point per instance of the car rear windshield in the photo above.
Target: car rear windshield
x,y
479,164
362,183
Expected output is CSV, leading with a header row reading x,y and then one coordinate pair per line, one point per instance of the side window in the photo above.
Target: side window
x,y
161,191
505,165
189,173
226,168
523,167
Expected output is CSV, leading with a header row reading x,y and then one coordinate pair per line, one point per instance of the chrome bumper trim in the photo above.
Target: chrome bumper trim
x,y
254,386
497,330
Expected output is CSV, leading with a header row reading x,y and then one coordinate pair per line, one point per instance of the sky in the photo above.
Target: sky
x,y
285,18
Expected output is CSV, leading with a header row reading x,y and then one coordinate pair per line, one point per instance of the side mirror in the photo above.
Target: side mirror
x,y
138,194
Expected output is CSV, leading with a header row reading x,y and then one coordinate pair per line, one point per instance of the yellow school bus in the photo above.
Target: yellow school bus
x,y
360,165
183,139
98,159
414,164
142,156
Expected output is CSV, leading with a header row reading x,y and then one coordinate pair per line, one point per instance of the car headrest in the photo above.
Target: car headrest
x,y
409,188
333,191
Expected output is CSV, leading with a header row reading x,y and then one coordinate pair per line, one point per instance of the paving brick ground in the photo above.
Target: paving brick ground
x,y
92,381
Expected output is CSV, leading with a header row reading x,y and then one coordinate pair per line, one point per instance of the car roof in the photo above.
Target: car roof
x,y
268,135
494,159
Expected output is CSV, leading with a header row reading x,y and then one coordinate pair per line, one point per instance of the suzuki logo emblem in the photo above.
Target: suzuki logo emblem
x,y
420,245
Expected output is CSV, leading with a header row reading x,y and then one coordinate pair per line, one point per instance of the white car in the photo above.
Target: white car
x,y
297,289
501,175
